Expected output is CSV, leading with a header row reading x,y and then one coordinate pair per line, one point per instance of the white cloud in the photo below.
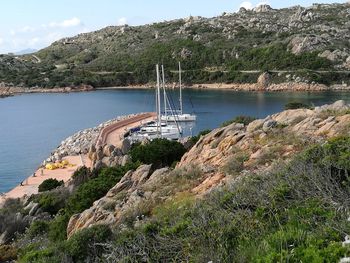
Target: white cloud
x,y
122,21
33,42
27,29
73,22
1,41
246,5
249,5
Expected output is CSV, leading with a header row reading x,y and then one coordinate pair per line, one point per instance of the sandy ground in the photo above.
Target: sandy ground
x,y
116,136
31,184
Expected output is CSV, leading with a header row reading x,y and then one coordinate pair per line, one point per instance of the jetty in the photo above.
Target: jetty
x,y
112,134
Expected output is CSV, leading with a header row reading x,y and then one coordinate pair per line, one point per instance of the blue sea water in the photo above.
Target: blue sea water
x,y
32,125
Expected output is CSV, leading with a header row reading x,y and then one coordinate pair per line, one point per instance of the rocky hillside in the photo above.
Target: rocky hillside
x,y
295,44
218,159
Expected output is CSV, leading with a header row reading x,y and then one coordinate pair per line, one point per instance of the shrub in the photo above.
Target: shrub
x,y
49,184
81,175
296,105
11,224
40,256
7,253
96,188
84,244
159,152
38,228
53,201
58,228
239,119
236,163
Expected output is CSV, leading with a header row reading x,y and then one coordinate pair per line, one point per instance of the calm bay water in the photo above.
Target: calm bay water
x,y
31,126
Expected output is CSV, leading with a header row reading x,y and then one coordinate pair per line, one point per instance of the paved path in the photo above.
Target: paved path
x,y
114,133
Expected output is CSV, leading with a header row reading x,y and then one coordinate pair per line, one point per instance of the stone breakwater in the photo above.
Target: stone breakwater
x,y
82,141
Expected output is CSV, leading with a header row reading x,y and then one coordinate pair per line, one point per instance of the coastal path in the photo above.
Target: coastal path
x,y
31,184
114,133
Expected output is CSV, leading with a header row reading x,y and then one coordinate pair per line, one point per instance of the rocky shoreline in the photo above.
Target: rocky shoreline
x,y
286,86
6,91
82,141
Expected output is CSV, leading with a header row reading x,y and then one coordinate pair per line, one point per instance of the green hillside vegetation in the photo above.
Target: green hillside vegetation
x,y
218,49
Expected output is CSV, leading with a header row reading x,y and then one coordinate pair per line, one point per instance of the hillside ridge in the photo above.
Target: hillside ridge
x,y
312,43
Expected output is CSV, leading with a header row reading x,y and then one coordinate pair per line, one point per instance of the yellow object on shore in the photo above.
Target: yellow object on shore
x,y
50,166
58,165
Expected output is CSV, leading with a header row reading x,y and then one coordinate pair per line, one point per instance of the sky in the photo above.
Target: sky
x,y
35,24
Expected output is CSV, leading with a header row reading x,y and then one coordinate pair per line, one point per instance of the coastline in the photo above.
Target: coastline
x,y
286,86
76,150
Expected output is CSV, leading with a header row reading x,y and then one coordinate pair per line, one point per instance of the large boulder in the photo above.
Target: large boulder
x,y
108,150
339,105
301,44
262,8
264,80
269,124
126,146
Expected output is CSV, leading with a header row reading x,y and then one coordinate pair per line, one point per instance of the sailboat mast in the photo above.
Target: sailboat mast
x,y
159,127
165,103
180,84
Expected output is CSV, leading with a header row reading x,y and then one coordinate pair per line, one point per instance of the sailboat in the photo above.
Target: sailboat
x,y
178,115
157,129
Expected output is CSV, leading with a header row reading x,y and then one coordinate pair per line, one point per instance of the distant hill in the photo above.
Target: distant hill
x,y
304,44
26,51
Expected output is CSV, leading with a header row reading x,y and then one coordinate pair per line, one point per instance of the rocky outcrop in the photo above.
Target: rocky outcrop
x,y
108,155
264,81
301,44
262,8
217,159
126,198
282,133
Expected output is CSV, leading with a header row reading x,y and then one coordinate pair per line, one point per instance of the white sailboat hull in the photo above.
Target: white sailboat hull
x,y
179,118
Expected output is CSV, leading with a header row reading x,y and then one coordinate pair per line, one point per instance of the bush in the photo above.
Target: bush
x,y
40,256
239,119
159,152
38,228
96,188
50,184
7,253
84,244
52,202
296,105
58,228
81,175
